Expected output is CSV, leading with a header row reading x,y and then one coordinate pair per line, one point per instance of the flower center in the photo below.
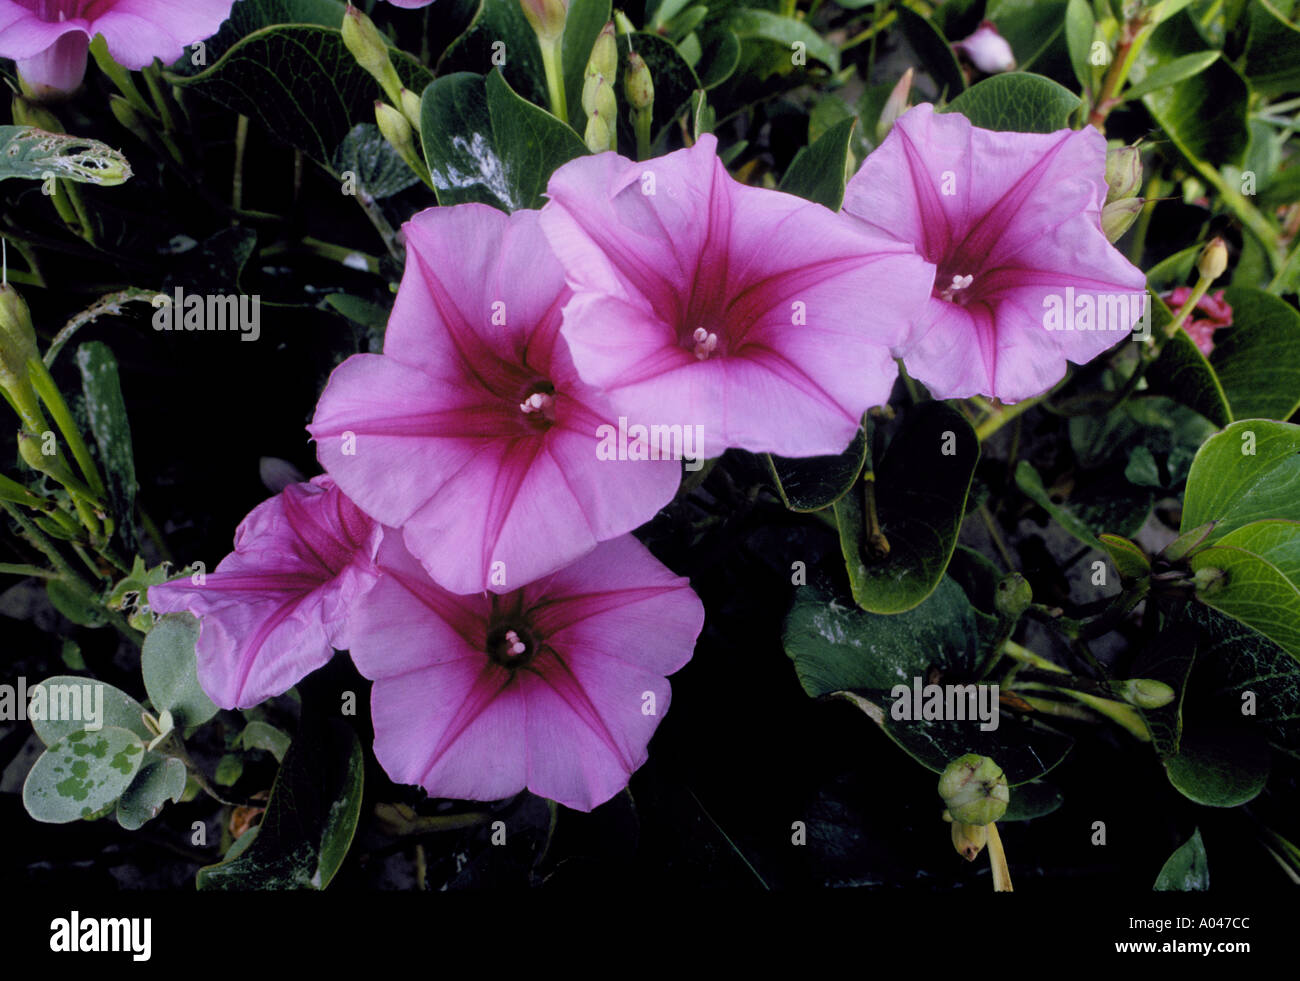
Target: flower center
x,y
538,405
704,342
511,646
954,292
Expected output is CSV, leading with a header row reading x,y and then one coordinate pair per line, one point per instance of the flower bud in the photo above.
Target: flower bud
x,y
1213,262
895,105
370,50
988,50
1123,173
28,113
410,103
974,788
17,338
1145,693
1209,579
395,129
969,839
604,54
1117,216
597,135
638,86
599,101
546,16
1013,596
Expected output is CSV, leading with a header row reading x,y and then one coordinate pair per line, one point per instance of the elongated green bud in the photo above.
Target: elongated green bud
x,y
597,135
604,54
370,50
975,790
1145,693
411,107
638,86
1117,216
598,99
394,128
1213,261
1123,173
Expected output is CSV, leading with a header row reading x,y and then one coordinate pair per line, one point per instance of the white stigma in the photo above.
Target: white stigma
x,y
958,283
705,343
517,646
537,402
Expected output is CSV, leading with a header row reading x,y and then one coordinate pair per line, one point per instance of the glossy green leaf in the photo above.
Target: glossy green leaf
x,y
1259,579
310,819
77,698
1257,359
106,411
936,57
371,159
1182,372
1220,765
721,56
1272,58
360,311
1035,29
920,491
1129,559
300,83
1169,659
819,170
1172,73
262,735
814,483
1032,800
1248,472
161,779
81,774
1187,869
1080,28
1018,102
785,31
170,667
484,143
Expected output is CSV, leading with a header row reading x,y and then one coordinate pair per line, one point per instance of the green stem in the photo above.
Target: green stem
x,y
1278,285
1122,714
553,63
6,569
1005,414
49,392
641,119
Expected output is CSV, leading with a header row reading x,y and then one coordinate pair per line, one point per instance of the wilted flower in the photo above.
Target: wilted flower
x,y
987,49
50,39
472,431
1210,313
275,609
763,318
1012,220
556,688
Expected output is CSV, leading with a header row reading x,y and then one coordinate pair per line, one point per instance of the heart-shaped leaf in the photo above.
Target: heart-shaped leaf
x,y
1248,472
1019,102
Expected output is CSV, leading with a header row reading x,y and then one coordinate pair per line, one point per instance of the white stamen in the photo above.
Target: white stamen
x,y
517,646
537,402
958,283
706,342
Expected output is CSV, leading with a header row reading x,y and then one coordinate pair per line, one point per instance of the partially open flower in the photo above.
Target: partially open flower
x,y
987,49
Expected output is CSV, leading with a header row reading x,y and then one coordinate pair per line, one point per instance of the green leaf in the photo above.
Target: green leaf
x,y
501,28
248,16
1182,372
121,711
106,410
229,769
82,610
1032,800
1031,483
1080,29
1129,559
300,83
310,819
814,483
1017,102
484,143
785,31
1171,73
161,779
840,650
380,172
170,667
1257,359
81,774
34,154
1169,660
360,311
1272,58
920,490
1248,472
721,56
818,171
262,735
1255,587
1187,869
932,49
1035,30
1220,765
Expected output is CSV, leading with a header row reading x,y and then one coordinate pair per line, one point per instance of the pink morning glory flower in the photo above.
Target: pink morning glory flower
x,y
762,318
472,432
1210,313
556,688
275,609
1013,221
50,39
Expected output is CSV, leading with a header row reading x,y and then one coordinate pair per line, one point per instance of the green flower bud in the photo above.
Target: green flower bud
x,y
974,788
597,135
1210,580
546,16
411,107
969,839
1145,693
395,129
28,113
603,103
1117,216
369,48
1123,173
1013,595
604,54
638,86
1213,261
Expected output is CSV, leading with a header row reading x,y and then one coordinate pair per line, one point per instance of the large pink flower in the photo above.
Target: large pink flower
x,y
275,609
1012,220
50,38
557,687
472,431
763,318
